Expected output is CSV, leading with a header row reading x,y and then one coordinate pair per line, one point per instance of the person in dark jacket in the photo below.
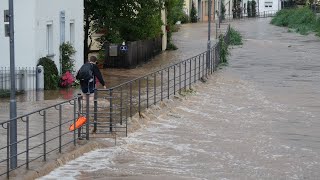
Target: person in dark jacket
x,y
89,86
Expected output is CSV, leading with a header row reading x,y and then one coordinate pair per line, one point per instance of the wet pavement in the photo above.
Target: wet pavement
x,y
257,118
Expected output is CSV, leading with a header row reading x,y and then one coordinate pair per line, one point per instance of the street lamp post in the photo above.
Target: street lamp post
x,y
13,103
209,34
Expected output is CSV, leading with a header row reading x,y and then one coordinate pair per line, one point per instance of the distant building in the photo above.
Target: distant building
x,y
40,27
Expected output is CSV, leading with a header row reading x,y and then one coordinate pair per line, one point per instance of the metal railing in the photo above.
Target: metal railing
x,y
121,102
263,14
41,133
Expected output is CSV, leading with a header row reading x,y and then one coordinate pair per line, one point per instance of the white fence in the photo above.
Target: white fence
x,y
26,78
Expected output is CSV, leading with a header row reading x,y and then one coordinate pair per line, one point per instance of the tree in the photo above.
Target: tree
x,y
121,20
193,14
254,8
223,10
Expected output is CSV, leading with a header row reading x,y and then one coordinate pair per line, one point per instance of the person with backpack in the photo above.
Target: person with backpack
x,y
87,74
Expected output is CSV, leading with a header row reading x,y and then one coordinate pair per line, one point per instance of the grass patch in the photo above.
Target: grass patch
x,y
302,20
235,37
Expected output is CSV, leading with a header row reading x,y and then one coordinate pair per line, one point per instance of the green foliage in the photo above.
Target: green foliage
x,y
174,10
224,51
223,10
171,46
249,8
174,13
235,37
124,20
67,51
303,20
185,19
4,93
193,13
253,8
51,78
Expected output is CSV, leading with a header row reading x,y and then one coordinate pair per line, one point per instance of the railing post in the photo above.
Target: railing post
x,y
27,142
174,80
121,95
155,88
190,72
87,115
79,114
60,129
147,91
168,82
195,70
185,75
139,91
199,66
161,85
8,149
131,104
180,78
111,109
95,110
44,135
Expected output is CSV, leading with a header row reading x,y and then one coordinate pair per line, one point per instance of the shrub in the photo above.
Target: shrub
x,y
254,9
223,10
171,46
303,20
193,14
66,80
67,51
4,93
235,37
51,77
224,51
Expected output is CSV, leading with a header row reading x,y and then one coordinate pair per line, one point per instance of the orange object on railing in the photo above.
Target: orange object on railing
x,y
80,122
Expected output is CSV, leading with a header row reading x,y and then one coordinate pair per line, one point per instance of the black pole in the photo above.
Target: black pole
x,y
13,103
209,32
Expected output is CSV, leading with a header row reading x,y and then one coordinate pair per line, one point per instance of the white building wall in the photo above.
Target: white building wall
x,y
48,11
4,41
31,18
24,12
264,5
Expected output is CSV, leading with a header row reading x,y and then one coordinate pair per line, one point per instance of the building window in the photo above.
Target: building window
x,y
49,39
268,4
72,33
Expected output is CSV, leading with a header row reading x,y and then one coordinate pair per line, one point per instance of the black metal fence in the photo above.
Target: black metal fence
x,y
41,133
127,99
137,53
26,79
263,14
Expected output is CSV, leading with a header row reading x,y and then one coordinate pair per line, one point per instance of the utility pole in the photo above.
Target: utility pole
x,y
209,34
13,102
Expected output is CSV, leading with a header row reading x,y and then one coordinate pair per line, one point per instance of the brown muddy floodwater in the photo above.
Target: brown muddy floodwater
x,y
257,118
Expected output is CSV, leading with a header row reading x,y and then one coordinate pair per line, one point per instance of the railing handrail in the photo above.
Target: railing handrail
x,y
39,110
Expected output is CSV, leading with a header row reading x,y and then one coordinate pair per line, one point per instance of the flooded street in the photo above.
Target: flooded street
x,y
191,41
257,118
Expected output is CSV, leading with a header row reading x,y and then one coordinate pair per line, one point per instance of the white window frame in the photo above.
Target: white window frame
x,y
72,32
49,39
